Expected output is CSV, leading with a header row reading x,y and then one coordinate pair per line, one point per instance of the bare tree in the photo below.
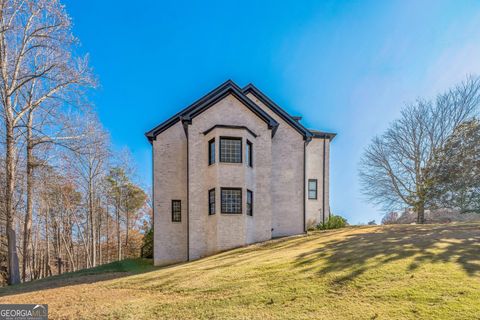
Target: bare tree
x,y
398,167
90,166
35,46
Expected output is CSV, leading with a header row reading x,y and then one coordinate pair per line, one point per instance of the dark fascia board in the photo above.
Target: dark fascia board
x,y
278,110
227,126
187,114
323,135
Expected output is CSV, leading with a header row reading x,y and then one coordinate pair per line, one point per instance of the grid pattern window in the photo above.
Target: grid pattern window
x,y
312,189
176,211
249,154
211,152
231,150
231,200
249,203
211,201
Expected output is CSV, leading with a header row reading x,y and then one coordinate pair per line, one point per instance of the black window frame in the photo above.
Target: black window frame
x,y
250,210
174,213
249,148
316,189
211,205
220,149
211,160
221,200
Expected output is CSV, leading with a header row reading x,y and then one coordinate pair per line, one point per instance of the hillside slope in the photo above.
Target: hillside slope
x,y
394,272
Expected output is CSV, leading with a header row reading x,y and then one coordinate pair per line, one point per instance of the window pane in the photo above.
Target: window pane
x,y
249,202
211,201
231,201
312,189
249,154
230,150
211,151
176,211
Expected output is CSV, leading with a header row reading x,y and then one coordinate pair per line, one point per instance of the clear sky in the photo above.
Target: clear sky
x,y
345,66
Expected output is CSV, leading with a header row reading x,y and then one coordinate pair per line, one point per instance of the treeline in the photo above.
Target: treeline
x,y
67,201
429,158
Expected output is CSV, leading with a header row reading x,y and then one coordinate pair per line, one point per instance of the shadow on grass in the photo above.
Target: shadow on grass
x,y
359,252
110,271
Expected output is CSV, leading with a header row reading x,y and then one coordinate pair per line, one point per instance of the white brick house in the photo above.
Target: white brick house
x,y
232,169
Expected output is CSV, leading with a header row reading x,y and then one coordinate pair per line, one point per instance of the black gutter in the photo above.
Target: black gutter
x,y
250,88
228,87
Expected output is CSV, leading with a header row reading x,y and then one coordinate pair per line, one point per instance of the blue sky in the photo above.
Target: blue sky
x,y
345,66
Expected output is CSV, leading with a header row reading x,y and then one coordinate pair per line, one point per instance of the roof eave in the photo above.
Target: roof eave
x,y
208,100
250,88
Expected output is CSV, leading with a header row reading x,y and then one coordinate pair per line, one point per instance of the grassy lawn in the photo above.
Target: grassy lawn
x,y
393,272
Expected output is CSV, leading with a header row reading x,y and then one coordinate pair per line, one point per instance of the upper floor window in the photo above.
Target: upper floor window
x,y
249,154
312,188
211,201
211,151
231,200
249,203
176,211
231,150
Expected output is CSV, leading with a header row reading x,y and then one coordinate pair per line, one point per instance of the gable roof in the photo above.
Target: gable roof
x,y
292,121
202,104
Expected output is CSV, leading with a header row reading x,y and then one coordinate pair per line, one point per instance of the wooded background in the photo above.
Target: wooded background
x,y
68,201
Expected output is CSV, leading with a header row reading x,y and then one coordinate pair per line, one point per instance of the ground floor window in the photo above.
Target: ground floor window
x,y
231,200
249,203
312,189
176,211
211,201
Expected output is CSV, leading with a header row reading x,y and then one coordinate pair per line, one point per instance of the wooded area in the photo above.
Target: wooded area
x,y
67,200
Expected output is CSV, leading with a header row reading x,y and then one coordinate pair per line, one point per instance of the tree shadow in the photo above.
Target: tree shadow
x,y
358,252
115,270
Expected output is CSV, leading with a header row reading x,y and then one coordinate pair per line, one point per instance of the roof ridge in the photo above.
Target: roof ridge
x,y
209,99
278,110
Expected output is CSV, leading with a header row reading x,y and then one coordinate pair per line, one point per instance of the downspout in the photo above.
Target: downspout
x,y
185,122
153,198
304,183
188,197
307,140
323,180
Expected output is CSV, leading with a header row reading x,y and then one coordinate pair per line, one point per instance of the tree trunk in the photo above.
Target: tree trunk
x,y
421,213
13,267
126,228
107,231
27,228
92,224
119,244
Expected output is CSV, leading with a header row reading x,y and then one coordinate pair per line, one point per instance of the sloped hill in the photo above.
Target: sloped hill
x,y
393,272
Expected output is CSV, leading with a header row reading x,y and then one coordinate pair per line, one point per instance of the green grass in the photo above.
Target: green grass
x,y
397,272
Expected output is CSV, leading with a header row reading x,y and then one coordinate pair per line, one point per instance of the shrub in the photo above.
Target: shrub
x,y
147,248
334,222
